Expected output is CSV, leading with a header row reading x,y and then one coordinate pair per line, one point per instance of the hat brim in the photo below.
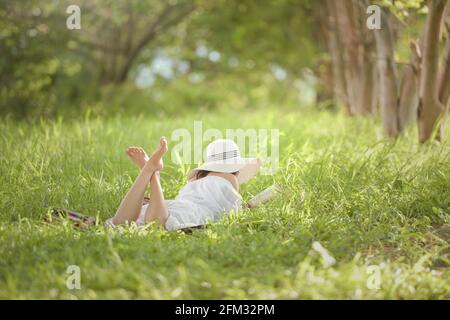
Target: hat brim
x,y
247,167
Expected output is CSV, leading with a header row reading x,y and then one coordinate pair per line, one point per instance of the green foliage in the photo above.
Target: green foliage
x,y
258,32
39,68
44,67
184,96
27,67
403,8
369,202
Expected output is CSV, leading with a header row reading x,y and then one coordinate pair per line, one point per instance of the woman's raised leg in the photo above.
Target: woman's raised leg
x,y
139,158
131,204
157,210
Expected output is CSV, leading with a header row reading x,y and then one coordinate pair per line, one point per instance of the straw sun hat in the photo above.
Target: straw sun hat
x,y
223,155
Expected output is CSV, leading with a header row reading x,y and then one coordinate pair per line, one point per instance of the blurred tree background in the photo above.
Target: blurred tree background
x,y
164,57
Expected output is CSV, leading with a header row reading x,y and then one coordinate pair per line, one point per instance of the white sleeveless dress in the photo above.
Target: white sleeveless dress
x,y
199,202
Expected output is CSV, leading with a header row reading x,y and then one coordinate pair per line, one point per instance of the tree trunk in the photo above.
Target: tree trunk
x,y
444,86
409,88
430,108
335,50
325,96
387,76
369,70
352,53
368,84
374,104
409,98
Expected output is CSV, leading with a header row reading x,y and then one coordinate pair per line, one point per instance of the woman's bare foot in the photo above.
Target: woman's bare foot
x,y
155,162
138,156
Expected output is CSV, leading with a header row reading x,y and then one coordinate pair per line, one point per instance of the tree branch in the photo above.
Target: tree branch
x,y
161,23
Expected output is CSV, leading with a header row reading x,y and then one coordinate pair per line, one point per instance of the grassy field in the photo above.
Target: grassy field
x,y
368,201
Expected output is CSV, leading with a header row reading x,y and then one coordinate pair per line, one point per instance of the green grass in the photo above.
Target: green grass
x,y
367,200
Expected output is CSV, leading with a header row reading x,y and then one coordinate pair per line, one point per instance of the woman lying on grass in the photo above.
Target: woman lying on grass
x,y
212,189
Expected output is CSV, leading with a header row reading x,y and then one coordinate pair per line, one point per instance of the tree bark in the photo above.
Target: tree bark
x,y
387,76
369,70
430,107
335,50
374,104
409,88
368,84
325,96
444,86
352,53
